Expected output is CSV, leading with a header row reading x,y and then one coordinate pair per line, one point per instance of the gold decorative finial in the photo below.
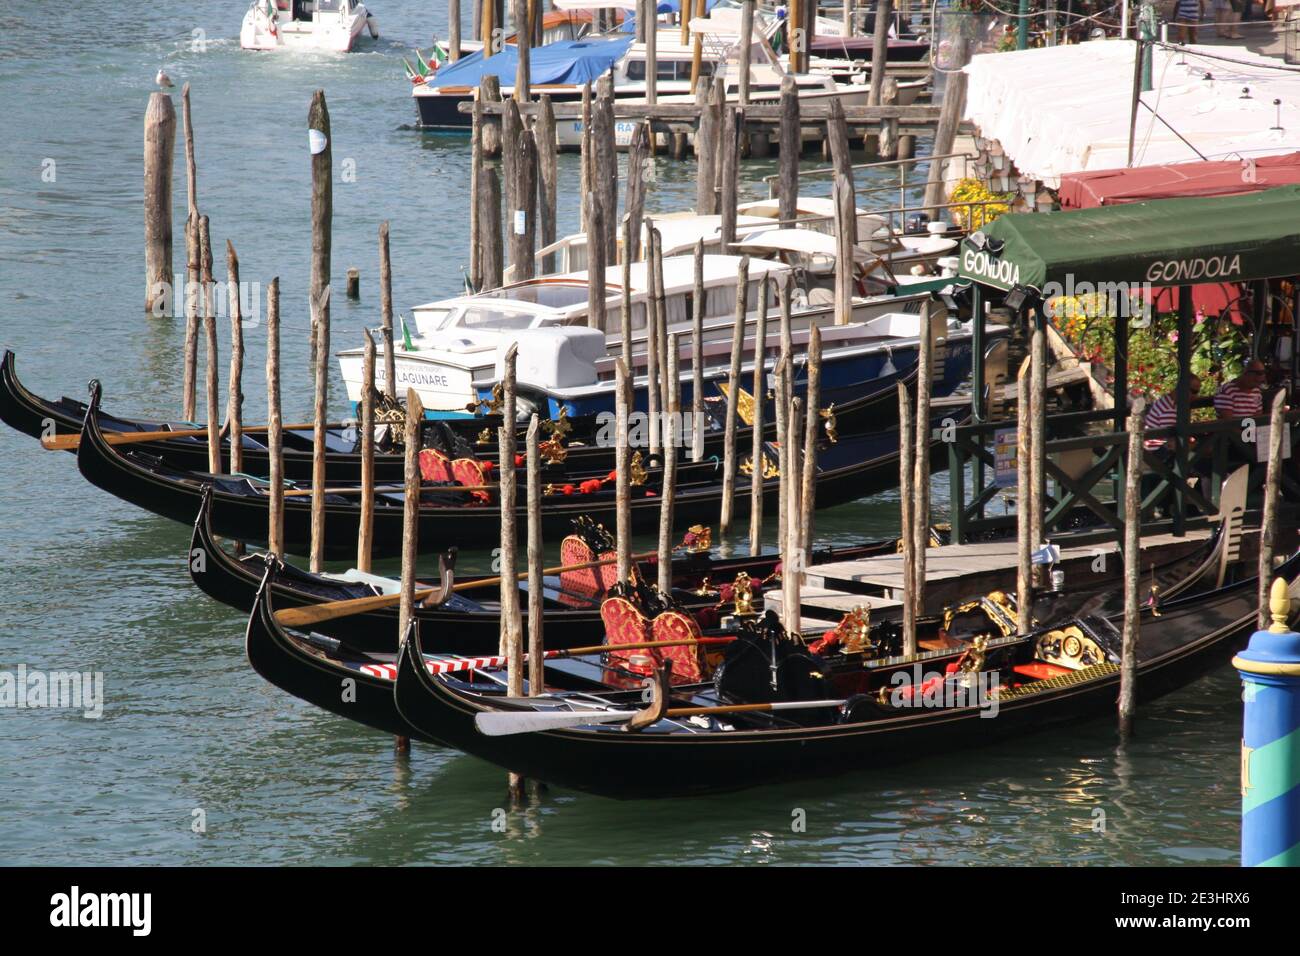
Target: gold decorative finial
x,y
1279,604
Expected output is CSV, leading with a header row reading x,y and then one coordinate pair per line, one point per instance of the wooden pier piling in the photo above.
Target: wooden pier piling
x,y
791,147
846,216
475,186
757,443
536,581
808,491
733,401
623,469
729,173
523,227
879,50
746,46
907,495
791,565
697,356
634,197
511,622
274,424
453,30
489,222
706,152
1272,487
548,176
320,314
595,262
353,288
668,491
322,201
365,529
235,400
1037,424
1024,523
652,322
606,166
1132,572
210,338
921,458
189,409
386,312
625,293
410,509
523,41
159,152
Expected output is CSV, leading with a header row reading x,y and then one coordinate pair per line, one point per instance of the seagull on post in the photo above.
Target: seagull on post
x,y
163,80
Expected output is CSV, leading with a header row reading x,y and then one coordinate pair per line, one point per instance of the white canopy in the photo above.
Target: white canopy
x,y
1067,108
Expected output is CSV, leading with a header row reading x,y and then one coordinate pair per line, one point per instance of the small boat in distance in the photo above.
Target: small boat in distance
x,y
329,25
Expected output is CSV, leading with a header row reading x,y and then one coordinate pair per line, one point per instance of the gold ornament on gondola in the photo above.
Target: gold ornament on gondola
x,y
552,451
705,588
855,630
484,437
560,426
490,406
742,590
636,471
698,539
769,467
744,403
829,423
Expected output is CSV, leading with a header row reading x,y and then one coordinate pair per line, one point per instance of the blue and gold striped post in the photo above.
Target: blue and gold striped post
x,y
1270,744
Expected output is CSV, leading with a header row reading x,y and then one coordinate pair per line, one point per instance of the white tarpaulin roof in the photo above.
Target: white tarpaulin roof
x,y
1067,108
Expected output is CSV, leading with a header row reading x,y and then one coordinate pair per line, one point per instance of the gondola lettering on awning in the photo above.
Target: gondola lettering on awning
x,y
1194,270
982,265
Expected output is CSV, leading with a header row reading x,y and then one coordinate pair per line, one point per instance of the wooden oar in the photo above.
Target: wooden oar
x,y
502,723
73,440
316,613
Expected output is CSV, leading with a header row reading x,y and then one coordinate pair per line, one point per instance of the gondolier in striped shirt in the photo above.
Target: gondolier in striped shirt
x,y
1163,412
1241,397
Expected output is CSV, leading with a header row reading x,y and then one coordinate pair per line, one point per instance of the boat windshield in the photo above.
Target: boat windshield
x,y
479,317
549,295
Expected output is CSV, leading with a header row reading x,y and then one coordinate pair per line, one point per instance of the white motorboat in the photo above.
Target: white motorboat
x,y
452,349
328,25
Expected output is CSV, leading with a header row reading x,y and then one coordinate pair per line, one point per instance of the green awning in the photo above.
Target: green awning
x,y
1164,242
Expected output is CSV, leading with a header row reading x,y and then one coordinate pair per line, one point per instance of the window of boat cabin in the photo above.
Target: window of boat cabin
x,y
550,295
721,300
327,6
480,317
667,69
428,321
614,318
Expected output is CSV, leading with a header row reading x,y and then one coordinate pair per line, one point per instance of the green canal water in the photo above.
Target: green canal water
x,y
189,732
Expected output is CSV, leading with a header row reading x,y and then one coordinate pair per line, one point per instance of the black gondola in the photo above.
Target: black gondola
x,y
673,756
852,468
470,622
859,408
313,666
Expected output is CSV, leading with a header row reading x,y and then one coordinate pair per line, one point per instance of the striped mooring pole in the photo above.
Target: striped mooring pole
x,y
1270,744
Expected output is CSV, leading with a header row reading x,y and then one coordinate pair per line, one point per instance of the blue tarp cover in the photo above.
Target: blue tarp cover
x,y
565,61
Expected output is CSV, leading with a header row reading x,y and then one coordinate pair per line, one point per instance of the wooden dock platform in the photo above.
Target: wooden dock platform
x,y
828,591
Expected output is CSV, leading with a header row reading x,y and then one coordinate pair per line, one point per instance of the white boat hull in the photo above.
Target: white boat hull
x,y
326,32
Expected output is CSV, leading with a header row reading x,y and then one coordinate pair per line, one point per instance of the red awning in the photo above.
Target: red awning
x,y
1110,187
1107,187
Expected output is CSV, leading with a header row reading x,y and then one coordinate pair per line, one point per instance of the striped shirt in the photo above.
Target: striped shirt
x,y
1234,401
1163,413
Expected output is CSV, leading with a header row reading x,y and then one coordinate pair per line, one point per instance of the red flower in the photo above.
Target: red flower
x,y
590,486
567,489
519,461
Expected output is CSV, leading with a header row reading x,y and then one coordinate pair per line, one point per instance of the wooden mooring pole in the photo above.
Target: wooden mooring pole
x,y
921,458
1272,486
320,418
548,176
652,321
757,443
595,262
791,147
235,400
210,339
410,526
322,202
1024,523
1132,572
622,466
365,529
808,491
733,401
386,312
274,424
536,556
697,356
159,152
511,624
668,491
907,495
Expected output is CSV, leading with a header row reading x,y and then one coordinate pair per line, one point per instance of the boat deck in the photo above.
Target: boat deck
x,y
830,590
